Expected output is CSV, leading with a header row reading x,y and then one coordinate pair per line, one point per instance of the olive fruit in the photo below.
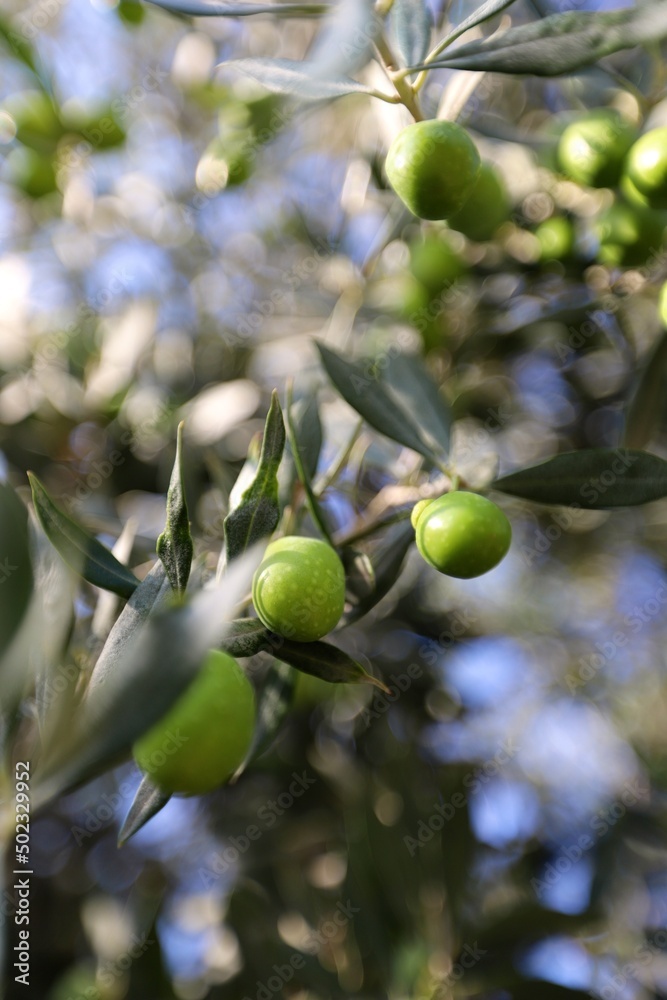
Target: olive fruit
x,y
646,167
485,209
206,734
662,305
461,534
299,588
628,235
556,238
432,166
592,149
435,264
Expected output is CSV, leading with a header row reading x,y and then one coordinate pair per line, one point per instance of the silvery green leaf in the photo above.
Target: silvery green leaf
x,y
174,546
299,79
147,803
411,23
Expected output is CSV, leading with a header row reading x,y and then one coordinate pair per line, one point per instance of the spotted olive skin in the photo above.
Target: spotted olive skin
x,y
299,588
462,534
432,166
204,737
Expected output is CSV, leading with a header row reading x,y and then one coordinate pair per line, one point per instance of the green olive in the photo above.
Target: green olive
x,y
646,167
299,588
486,208
206,734
432,166
593,148
629,235
462,534
556,238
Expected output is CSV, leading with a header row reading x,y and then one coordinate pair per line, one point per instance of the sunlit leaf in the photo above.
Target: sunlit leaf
x,y
299,79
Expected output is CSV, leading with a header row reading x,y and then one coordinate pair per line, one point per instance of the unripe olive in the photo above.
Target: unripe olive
x,y
299,588
647,167
432,166
462,534
629,235
662,305
206,734
592,149
556,238
485,209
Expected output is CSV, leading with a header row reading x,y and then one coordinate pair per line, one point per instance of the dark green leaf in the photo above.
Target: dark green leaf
x,y
594,479
147,803
387,561
647,406
408,380
273,705
201,8
299,79
258,513
80,550
561,43
367,395
325,661
308,432
246,637
174,546
316,512
16,578
411,23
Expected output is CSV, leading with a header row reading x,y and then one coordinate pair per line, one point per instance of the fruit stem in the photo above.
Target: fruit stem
x,y
404,89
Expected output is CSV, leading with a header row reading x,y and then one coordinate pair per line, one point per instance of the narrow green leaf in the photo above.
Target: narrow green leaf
x,y
359,573
79,549
308,432
273,705
386,560
327,662
479,16
646,409
316,512
411,24
258,513
299,79
174,546
16,576
147,803
246,637
594,479
408,380
150,673
367,395
201,8
560,43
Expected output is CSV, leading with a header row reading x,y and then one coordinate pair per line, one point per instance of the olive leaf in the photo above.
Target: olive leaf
x,y
646,409
367,394
327,662
560,43
80,550
411,24
174,545
594,479
386,560
16,575
246,637
479,16
408,380
298,79
359,573
273,705
201,8
147,802
258,512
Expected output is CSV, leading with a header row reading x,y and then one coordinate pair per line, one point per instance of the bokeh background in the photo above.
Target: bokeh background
x,y
171,241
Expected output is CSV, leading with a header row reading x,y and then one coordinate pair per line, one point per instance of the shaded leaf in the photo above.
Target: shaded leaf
x,y
201,8
174,545
16,576
258,513
386,561
408,379
299,79
367,395
359,573
273,705
80,550
308,432
147,803
411,23
325,661
154,669
561,43
595,479
316,512
246,637
647,406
